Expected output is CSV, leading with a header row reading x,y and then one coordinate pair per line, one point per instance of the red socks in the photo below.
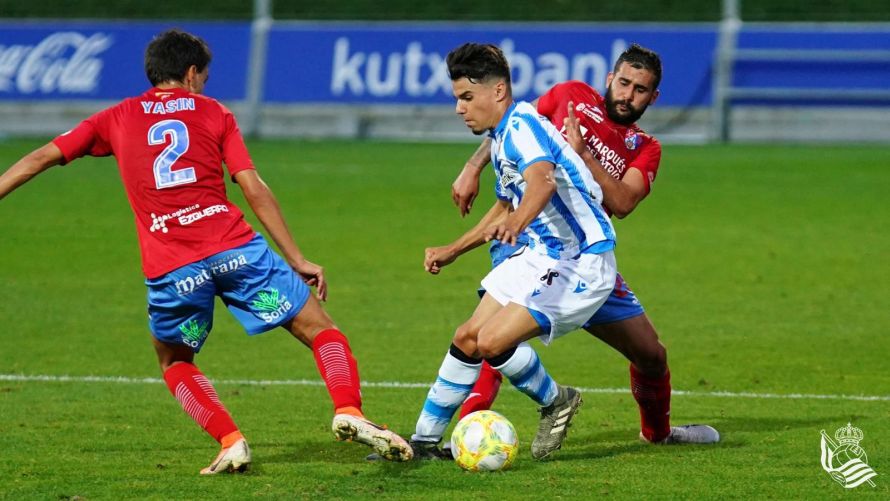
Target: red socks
x,y
199,400
339,371
484,391
653,395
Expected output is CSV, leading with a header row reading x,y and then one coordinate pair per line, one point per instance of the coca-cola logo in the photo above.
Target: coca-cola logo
x,y
63,62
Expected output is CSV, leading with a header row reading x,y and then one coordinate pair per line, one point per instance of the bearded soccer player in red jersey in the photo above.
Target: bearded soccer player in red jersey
x,y
624,161
170,144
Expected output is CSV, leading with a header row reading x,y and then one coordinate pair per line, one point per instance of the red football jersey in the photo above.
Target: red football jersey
x,y
170,146
617,147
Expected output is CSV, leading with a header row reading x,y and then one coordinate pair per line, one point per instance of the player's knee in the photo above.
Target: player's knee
x,y
465,338
171,354
488,346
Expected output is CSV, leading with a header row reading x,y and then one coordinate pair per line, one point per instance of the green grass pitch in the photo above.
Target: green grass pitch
x,y
764,268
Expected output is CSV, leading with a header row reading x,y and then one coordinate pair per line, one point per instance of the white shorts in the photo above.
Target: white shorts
x,y
561,294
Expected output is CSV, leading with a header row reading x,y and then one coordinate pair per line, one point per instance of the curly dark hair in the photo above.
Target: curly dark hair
x,y
170,55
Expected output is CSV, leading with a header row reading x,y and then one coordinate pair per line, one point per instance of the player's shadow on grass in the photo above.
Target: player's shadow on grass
x,y
728,425
734,433
327,452
584,449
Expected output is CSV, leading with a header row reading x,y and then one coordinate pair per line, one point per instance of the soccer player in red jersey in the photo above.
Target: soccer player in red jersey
x,y
170,144
624,162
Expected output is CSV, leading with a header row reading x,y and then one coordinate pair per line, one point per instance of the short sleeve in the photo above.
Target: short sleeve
x,y
547,103
553,102
647,161
88,138
527,142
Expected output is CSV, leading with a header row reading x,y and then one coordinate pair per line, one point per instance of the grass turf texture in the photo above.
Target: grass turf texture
x,y
763,268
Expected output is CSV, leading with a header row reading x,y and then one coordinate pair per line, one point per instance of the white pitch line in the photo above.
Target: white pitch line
x,y
398,384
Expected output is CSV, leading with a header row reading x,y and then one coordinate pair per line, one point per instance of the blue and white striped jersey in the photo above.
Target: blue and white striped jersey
x,y
573,222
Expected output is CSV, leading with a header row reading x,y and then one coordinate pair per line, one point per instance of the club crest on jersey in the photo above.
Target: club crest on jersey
x,y
632,140
507,178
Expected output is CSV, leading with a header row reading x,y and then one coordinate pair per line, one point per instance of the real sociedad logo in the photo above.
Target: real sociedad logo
x,y
844,460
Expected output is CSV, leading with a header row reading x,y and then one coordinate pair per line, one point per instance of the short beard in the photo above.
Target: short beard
x,y
632,115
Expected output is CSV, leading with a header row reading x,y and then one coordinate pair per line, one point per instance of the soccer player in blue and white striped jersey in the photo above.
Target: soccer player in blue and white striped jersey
x,y
547,199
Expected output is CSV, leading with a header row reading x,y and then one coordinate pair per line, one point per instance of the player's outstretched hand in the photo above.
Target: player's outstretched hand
x,y
436,258
465,188
573,129
313,275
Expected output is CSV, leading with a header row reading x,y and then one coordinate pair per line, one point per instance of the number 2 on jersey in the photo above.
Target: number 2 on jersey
x,y
165,176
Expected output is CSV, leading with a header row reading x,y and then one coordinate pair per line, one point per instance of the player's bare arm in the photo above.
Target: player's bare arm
x,y
29,166
436,258
622,196
465,188
539,190
267,210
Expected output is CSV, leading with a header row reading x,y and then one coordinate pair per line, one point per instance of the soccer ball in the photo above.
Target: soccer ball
x,y
484,441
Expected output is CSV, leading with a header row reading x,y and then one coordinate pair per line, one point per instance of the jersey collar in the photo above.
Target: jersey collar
x,y
503,123
172,91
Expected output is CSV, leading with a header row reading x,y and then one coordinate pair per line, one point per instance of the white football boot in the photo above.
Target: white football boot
x,y
387,444
231,459
689,434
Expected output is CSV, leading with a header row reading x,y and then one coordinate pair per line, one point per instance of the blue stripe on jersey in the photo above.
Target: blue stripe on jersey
x,y
510,149
600,247
604,224
526,165
566,214
569,224
516,191
534,123
541,137
553,244
503,123
498,189
575,177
